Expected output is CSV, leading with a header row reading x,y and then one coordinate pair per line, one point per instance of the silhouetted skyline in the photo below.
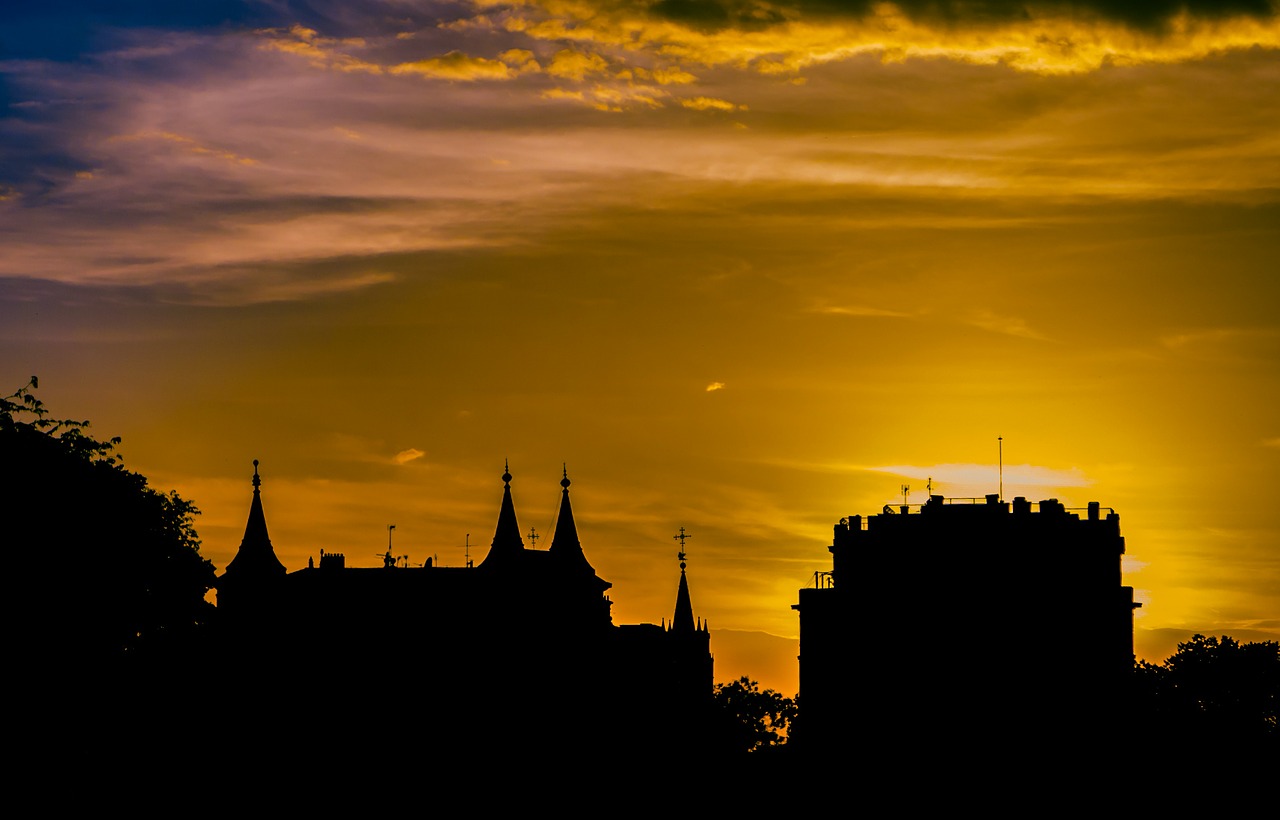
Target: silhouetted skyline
x,y
521,651
740,274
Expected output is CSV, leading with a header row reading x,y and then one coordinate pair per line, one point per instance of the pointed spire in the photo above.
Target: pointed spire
x,y
682,621
506,538
565,543
256,556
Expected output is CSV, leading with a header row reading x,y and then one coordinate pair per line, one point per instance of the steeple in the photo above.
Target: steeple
x,y
507,542
565,544
682,621
256,558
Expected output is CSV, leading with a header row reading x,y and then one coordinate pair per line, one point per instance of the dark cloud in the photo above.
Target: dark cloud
x,y
1142,14
714,16
68,29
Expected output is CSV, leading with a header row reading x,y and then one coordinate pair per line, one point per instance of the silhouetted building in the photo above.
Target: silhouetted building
x,y
956,622
520,649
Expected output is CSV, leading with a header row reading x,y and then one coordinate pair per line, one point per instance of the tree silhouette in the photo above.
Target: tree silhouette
x,y
751,719
109,569
1211,691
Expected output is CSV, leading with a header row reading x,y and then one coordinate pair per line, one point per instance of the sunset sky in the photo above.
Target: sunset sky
x,y
742,267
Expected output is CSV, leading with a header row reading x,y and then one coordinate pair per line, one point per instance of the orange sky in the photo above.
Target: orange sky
x,y
743,267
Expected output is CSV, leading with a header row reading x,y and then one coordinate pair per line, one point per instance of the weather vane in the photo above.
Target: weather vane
x,y
682,537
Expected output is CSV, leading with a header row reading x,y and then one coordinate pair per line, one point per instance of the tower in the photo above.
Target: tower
x,y
507,544
690,639
255,570
1010,615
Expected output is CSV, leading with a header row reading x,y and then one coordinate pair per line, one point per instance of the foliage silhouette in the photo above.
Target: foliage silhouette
x,y
751,719
1211,691
111,568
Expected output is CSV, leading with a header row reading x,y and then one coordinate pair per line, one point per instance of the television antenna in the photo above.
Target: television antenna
x,y
906,490
388,560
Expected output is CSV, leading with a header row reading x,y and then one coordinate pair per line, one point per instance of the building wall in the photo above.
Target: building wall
x,y
955,619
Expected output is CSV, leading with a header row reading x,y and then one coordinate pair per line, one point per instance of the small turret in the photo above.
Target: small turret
x,y
565,544
256,559
683,621
507,543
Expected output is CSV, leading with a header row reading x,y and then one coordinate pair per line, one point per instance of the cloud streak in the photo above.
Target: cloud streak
x,y
957,479
169,158
406,456
789,37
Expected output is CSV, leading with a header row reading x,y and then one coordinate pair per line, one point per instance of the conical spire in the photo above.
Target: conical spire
x,y
256,557
682,621
565,544
506,538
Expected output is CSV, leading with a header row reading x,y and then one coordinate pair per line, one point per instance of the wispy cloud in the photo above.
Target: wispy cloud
x,y
1237,345
668,76
864,311
322,52
1208,338
711,104
262,286
978,475
714,386
1007,325
1048,39
405,456
956,479
188,168
459,66
570,64
189,144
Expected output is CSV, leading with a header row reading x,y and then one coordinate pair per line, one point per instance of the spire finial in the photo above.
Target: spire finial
x,y
683,621
506,472
256,558
564,482
682,537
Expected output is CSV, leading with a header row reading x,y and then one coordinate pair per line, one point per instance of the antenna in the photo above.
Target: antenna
x,y
928,486
388,560
468,549
906,489
1000,440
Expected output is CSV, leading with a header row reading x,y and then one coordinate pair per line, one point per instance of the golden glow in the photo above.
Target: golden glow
x,y
1044,43
705,103
746,277
456,66
322,52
